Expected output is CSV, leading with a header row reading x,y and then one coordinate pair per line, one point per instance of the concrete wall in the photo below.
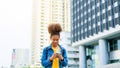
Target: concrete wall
x,y
114,65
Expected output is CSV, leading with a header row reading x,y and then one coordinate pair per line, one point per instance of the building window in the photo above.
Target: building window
x,y
89,32
80,37
98,28
94,30
116,9
109,2
116,20
113,45
98,19
103,16
115,1
97,1
110,23
109,13
103,6
114,61
104,26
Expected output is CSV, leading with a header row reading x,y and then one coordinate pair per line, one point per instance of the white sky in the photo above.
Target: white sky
x,y
15,27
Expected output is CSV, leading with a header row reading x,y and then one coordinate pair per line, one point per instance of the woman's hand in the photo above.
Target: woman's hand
x,y
53,57
60,56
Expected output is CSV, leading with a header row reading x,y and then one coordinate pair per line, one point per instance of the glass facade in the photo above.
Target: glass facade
x,y
92,52
89,17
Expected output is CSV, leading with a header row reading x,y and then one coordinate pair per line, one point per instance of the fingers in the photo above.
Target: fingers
x,y
60,56
56,55
53,57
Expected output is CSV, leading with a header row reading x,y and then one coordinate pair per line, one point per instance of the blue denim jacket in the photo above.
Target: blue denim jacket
x,y
47,53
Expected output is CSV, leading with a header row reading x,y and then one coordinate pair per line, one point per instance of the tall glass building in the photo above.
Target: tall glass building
x,y
95,29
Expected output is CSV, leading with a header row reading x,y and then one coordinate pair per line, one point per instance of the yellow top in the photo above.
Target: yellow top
x,y
55,63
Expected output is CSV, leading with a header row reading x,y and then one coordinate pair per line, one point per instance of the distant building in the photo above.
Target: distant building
x,y
72,53
20,58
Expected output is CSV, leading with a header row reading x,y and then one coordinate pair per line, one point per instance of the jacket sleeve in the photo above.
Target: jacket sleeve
x,y
45,61
65,61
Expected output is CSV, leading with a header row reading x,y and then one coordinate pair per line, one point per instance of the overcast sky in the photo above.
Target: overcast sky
x,y
15,27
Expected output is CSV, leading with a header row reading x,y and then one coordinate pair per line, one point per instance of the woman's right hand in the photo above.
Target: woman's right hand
x,y
53,57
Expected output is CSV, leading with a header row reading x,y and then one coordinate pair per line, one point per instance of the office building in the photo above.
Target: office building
x,y
95,29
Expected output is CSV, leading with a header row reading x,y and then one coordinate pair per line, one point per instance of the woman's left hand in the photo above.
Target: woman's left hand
x,y
60,56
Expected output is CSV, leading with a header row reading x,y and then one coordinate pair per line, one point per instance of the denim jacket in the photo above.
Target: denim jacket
x,y
47,53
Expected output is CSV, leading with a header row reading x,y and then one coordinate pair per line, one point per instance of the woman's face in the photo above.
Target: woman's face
x,y
55,39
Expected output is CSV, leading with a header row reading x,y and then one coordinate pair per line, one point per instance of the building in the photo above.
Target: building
x,y
60,13
40,19
95,29
72,53
20,58
45,12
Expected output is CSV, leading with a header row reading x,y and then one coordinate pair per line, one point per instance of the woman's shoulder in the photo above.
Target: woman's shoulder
x,y
46,47
62,47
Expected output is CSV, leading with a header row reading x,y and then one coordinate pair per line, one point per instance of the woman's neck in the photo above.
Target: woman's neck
x,y
55,46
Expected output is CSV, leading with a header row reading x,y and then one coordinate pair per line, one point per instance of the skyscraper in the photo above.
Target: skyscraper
x,y
96,31
60,13
40,19
45,12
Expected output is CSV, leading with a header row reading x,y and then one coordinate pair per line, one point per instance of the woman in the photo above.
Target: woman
x,y
54,55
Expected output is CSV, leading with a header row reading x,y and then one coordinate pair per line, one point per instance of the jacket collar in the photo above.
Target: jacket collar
x,y
50,46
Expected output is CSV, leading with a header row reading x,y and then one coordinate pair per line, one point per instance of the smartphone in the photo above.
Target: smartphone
x,y
58,53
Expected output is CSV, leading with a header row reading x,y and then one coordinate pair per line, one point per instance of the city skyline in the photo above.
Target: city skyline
x,y
15,27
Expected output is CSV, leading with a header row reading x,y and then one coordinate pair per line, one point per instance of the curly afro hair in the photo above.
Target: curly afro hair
x,y
54,29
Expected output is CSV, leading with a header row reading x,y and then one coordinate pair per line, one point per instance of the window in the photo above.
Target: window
x,y
116,9
113,45
89,6
104,26
109,2
93,21
88,15
94,12
89,31
114,61
115,1
103,16
97,1
103,6
110,23
98,8
98,18
109,12
116,21
94,30
79,36
98,28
